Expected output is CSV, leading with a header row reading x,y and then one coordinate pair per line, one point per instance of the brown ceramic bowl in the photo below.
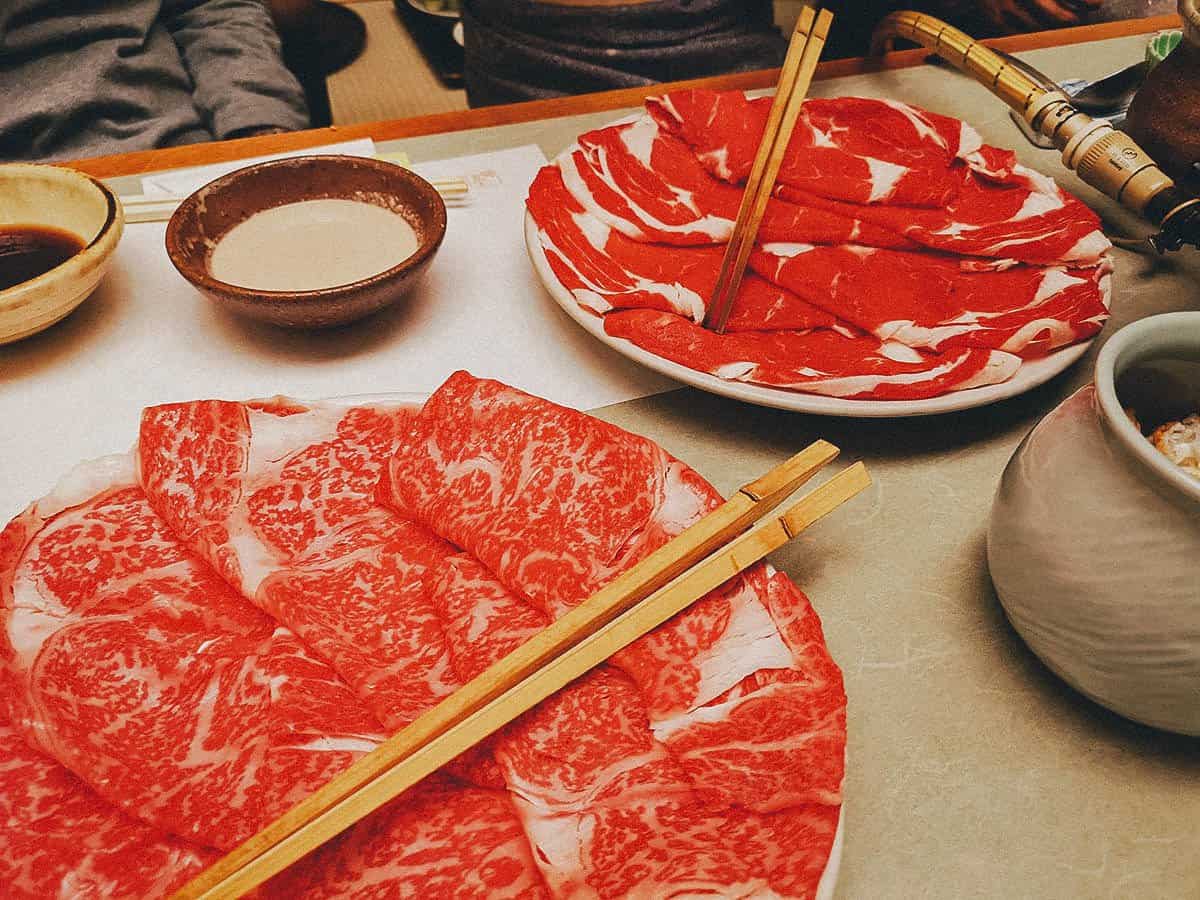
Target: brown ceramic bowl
x,y
207,215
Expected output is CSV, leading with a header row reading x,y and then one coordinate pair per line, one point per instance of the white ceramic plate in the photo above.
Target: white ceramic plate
x,y
1031,374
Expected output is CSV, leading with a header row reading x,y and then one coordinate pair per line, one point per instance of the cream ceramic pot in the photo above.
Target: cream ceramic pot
x,y
1094,540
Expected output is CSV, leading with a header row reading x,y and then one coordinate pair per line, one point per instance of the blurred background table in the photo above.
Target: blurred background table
x,y
391,79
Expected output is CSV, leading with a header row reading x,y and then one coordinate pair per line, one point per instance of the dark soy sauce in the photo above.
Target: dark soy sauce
x,y
27,251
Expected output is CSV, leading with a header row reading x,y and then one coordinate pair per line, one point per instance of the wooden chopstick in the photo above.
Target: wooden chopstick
x,y
150,208
808,67
783,90
476,709
807,44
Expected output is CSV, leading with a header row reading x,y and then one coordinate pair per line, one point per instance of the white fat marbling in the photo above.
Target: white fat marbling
x,y
751,642
682,506
1091,246
884,177
639,139
683,300
596,231
639,143
1038,203
86,480
341,744
787,249
1054,281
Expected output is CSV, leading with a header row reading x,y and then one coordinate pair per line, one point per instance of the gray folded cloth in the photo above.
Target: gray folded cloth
x,y
523,50
110,76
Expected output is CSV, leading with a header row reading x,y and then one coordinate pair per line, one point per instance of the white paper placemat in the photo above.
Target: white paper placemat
x,y
181,182
146,336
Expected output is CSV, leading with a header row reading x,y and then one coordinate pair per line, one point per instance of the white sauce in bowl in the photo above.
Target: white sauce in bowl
x,y
311,245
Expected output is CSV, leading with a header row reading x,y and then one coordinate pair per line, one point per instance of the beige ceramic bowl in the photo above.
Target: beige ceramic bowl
x,y
207,215
1094,540
61,198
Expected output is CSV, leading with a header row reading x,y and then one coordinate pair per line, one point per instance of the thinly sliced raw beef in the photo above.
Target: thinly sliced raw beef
x,y
484,621
749,733
439,839
193,459
824,361
596,790
888,219
647,184
556,504
297,520
128,660
706,760
62,840
286,501
984,203
473,618
483,456
1028,218
615,814
242,761
59,839
851,148
931,302
605,270
620,175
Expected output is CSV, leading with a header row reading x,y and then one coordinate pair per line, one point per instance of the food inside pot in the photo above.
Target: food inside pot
x,y
1161,397
1180,442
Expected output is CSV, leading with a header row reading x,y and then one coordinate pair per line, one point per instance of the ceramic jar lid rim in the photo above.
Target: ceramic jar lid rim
x,y
1154,337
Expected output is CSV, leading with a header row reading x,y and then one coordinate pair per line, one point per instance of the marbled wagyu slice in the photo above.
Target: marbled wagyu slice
x,y
931,302
555,504
822,361
60,839
858,149
604,270
644,182
130,662
280,495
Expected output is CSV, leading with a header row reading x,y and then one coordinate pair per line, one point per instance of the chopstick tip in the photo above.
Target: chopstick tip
x,y
843,486
793,472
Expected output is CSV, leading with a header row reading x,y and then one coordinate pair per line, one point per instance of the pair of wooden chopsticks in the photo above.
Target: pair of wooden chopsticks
x,y
808,40
667,581
151,208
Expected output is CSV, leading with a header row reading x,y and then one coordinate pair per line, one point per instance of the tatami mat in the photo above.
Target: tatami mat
x,y
391,79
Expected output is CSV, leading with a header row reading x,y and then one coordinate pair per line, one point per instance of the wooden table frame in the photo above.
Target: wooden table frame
x,y
198,154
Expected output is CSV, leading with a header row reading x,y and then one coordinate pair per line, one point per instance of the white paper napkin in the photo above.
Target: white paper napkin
x,y
147,336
